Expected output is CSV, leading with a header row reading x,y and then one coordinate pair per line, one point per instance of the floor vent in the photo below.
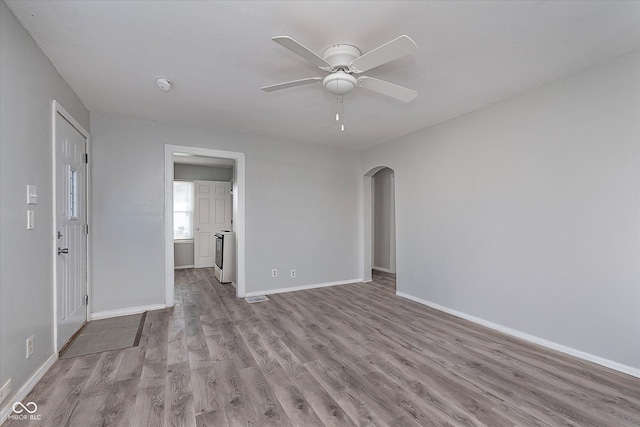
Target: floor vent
x,y
258,298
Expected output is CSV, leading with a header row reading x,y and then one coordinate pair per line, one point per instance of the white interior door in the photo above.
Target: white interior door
x,y
71,218
212,213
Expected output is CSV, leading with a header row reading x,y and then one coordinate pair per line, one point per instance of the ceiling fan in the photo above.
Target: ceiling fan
x,y
343,60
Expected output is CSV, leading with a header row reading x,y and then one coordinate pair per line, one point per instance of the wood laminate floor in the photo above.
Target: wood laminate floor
x,y
340,356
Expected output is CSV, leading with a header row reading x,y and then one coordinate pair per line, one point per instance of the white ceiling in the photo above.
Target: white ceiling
x,y
219,53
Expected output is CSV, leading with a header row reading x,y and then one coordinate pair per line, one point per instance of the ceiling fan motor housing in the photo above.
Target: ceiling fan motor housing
x,y
340,56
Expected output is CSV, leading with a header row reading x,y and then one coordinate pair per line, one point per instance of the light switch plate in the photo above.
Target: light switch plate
x,y
32,195
31,220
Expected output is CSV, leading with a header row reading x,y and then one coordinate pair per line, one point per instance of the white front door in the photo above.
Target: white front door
x,y
71,218
212,213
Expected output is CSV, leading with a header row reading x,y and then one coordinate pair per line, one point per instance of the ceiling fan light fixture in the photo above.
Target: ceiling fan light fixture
x,y
340,83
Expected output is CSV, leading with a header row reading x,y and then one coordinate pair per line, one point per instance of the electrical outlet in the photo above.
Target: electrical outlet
x,y
274,273
5,391
293,273
29,346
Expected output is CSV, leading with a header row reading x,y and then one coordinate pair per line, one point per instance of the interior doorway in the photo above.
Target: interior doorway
x,y
379,234
233,162
384,221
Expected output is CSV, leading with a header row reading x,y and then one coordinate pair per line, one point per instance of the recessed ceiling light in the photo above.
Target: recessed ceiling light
x,y
164,84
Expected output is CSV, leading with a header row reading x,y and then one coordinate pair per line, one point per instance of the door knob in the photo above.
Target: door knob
x,y
197,228
63,251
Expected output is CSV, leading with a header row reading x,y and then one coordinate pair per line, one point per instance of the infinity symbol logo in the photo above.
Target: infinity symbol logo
x,y
18,407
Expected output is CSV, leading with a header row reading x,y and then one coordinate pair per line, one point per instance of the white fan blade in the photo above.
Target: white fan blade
x,y
299,49
396,48
293,83
386,88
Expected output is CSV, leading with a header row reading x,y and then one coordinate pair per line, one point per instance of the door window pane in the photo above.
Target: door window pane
x,y
73,193
182,210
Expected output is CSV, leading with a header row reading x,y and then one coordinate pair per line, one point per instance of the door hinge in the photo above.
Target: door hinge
x,y
86,300
86,157
86,229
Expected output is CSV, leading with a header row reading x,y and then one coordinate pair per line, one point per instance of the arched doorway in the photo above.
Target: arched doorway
x,y
379,248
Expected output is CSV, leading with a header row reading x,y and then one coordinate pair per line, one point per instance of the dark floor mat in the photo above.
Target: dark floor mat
x,y
106,334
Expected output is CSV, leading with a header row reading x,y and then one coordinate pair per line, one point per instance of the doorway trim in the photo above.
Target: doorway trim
x,y
392,223
238,213
56,109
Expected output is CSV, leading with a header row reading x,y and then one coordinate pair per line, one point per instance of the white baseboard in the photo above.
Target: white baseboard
x,y
27,387
178,267
302,288
528,337
125,311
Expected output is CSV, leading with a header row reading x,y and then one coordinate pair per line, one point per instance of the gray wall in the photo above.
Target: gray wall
x,y
526,213
183,254
28,83
204,173
301,209
382,219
